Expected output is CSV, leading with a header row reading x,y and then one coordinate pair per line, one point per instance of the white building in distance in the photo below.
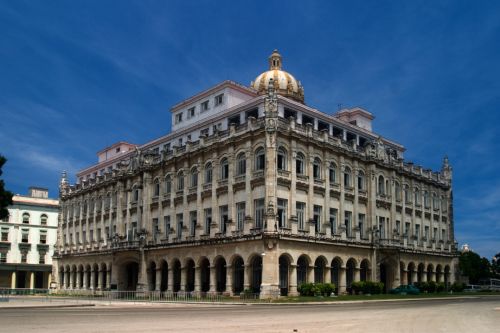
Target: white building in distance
x,y
27,240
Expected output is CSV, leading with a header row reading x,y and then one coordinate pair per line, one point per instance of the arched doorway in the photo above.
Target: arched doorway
x,y
284,269
319,270
335,272
190,275
152,276
302,265
256,274
411,273
420,273
164,276
350,267
238,275
220,274
81,275
364,272
447,276
205,275
439,273
176,271
61,277
131,276
430,271
96,276
88,272
104,276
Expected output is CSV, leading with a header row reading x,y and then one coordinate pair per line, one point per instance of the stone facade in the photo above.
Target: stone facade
x,y
263,194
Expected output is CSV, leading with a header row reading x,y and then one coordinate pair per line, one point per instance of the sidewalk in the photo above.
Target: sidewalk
x,y
42,302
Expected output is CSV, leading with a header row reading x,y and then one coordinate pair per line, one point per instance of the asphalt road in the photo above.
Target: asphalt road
x,y
481,314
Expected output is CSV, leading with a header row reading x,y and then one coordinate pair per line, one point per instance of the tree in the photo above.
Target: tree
x,y
5,196
495,265
475,267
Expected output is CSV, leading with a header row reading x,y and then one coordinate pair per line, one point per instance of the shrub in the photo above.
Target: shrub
x,y
307,289
316,289
457,287
358,287
431,287
326,289
440,287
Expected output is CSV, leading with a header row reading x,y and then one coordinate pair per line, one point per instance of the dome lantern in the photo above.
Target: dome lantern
x,y
284,83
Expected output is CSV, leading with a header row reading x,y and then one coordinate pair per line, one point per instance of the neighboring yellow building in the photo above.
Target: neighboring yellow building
x,y
253,189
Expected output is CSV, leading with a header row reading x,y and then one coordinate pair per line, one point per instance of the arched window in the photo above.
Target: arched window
x,y
317,168
361,180
208,173
43,219
194,177
381,185
114,203
282,159
135,196
156,187
224,168
180,181
347,177
168,184
407,194
398,191
427,201
444,205
260,161
98,204
85,207
332,173
241,164
299,164
417,196
107,201
26,218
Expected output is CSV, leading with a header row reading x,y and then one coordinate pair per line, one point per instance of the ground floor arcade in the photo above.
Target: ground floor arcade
x,y
268,268
25,276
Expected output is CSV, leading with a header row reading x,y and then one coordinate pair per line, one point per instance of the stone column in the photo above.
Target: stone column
x,y
292,284
158,279
13,280
99,278
342,281
424,276
356,274
108,279
414,276
65,280
183,278
85,279
78,280
229,280
248,277
326,274
92,279
404,276
197,279
71,279
32,280
213,279
170,286
310,273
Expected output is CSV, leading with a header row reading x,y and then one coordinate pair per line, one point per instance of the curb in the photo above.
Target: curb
x,y
45,306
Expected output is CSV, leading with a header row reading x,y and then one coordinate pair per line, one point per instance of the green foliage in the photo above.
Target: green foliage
x,y
5,196
367,287
316,289
457,287
475,267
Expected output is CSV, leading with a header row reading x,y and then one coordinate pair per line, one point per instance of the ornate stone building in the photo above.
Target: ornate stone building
x,y
253,189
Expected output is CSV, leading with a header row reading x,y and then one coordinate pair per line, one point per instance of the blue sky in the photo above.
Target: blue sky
x,y
76,76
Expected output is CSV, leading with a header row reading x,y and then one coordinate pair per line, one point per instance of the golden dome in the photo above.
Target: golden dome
x,y
284,83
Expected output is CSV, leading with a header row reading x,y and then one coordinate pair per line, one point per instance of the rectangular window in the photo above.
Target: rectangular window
x,y
41,259
381,227
259,213
317,217
398,227
361,225
192,222
240,215
107,235
223,214
443,235
426,232
417,231
98,235
407,229
208,220
204,132
156,229
91,236
282,209
348,223
191,112
24,235
204,106
301,212
3,257
43,237
84,237
333,220
24,257
178,118
219,99
180,224
5,235
435,233
166,223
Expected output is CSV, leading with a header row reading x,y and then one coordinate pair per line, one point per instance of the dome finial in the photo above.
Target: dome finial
x,y
275,60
